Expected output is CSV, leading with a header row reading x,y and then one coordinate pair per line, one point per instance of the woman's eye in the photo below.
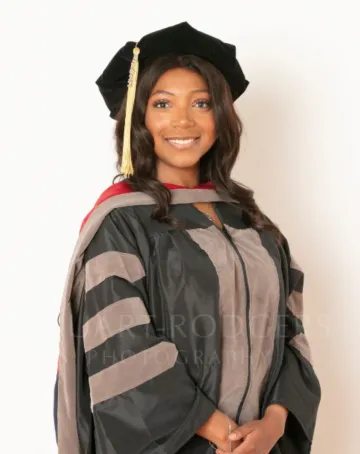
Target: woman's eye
x,y
160,104
203,103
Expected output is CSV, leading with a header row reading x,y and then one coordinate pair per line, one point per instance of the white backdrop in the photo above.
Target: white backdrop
x,y
299,154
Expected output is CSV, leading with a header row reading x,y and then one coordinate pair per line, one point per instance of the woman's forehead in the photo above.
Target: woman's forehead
x,y
178,80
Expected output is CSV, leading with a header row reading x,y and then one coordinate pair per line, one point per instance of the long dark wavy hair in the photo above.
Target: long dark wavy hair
x,y
215,165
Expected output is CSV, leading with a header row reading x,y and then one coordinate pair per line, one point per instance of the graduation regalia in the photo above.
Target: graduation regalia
x,y
162,324
143,356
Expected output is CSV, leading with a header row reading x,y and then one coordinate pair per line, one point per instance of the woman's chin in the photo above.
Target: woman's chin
x,y
181,159
184,163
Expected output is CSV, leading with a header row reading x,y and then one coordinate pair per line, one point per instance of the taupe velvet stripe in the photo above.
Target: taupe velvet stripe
x,y
263,279
232,316
67,426
112,263
301,343
117,317
132,372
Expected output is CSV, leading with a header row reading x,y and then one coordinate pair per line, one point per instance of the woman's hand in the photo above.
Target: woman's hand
x,y
259,436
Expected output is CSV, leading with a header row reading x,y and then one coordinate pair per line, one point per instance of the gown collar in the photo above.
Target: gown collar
x,y
207,185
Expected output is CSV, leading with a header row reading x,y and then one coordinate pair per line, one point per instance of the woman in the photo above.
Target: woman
x,y
181,316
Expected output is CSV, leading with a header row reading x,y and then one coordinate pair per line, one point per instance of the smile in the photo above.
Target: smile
x,y
183,143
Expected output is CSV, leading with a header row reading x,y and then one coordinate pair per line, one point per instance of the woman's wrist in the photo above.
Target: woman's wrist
x,y
216,430
276,415
221,439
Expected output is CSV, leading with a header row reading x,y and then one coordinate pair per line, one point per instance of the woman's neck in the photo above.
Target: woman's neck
x,y
188,178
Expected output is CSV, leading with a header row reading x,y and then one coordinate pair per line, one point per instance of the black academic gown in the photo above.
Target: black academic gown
x,y
128,379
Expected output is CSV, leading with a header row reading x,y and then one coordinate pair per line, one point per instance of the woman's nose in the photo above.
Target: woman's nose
x,y
182,118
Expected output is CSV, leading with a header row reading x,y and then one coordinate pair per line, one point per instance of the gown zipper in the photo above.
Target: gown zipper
x,y
247,290
226,234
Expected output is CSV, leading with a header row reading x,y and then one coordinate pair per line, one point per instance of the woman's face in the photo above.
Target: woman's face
x,y
180,117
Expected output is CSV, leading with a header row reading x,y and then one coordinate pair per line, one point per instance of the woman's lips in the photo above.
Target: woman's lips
x,y
185,143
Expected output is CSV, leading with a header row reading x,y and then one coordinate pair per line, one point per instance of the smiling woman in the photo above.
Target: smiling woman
x,y
180,97
181,315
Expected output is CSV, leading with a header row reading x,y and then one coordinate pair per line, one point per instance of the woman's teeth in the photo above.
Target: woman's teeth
x,y
182,143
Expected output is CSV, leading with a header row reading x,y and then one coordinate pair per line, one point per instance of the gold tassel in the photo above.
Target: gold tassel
x,y
126,163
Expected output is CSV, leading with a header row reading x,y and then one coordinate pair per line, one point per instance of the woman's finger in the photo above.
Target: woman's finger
x,y
241,432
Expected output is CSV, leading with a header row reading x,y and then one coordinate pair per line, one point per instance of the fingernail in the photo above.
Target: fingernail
x,y
232,436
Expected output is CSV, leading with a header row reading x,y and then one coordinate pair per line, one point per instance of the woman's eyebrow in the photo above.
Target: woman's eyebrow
x,y
164,92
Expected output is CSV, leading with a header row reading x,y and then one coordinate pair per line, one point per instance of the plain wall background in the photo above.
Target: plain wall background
x,y
299,153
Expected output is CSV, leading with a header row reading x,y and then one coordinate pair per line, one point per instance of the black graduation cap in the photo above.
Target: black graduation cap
x,y
133,58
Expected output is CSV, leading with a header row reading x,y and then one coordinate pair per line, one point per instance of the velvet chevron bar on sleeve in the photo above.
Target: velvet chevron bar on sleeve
x,y
297,387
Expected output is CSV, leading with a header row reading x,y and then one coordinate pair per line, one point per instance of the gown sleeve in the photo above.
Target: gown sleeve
x,y
134,393
297,387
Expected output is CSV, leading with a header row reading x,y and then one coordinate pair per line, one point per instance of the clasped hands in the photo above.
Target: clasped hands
x,y
258,436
